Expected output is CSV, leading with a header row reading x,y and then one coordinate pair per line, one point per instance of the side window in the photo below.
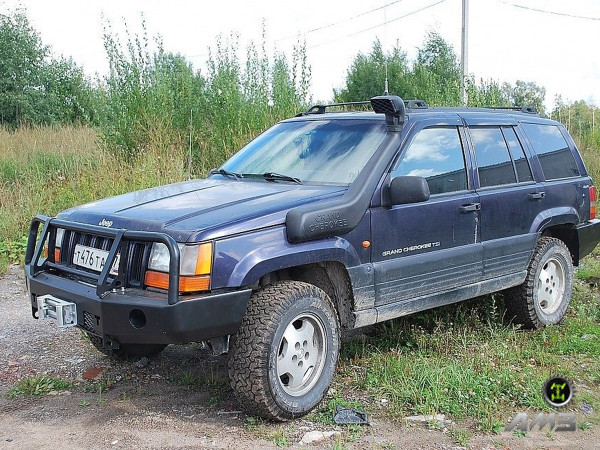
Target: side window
x,y
518,155
435,154
552,150
494,164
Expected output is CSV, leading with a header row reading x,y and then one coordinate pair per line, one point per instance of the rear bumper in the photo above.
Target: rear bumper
x,y
588,236
137,316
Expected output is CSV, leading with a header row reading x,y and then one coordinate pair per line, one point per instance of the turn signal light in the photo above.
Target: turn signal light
x,y
160,280
56,254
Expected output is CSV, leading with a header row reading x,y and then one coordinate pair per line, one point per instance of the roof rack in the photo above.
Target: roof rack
x,y
415,104
392,106
523,109
321,109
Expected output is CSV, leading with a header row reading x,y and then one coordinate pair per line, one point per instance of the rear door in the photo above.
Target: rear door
x,y
510,198
433,246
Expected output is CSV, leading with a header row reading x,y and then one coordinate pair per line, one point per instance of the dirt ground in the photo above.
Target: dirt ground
x,y
180,399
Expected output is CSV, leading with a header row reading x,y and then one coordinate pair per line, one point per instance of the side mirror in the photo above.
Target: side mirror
x,y
407,189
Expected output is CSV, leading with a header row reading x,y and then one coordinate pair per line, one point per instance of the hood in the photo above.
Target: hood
x,y
201,209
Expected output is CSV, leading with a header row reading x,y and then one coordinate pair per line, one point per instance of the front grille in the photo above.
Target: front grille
x,y
72,238
134,254
137,256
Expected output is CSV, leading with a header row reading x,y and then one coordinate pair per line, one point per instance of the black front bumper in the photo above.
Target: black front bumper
x,y
142,317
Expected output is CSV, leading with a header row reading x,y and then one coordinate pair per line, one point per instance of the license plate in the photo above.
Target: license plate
x,y
94,259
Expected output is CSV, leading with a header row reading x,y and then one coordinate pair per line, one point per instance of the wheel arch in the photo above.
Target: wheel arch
x,y
329,276
567,233
560,223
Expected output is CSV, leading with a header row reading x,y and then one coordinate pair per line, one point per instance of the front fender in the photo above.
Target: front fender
x,y
241,260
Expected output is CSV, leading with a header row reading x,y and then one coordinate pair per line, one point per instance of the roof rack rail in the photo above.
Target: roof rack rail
x,y
320,109
523,109
415,104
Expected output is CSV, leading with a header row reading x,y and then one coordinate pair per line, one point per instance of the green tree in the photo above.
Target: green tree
x,y
155,101
525,94
21,59
366,75
35,88
486,93
436,72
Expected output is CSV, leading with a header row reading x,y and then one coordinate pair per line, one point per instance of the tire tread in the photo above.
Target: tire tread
x,y
250,354
519,300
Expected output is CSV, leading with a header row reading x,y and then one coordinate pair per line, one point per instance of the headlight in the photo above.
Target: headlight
x,y
60,234
195,264
159,257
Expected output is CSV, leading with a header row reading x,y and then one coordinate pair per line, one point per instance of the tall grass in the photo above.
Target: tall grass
x,y
35,165
466,362
590,151
156,97
48,169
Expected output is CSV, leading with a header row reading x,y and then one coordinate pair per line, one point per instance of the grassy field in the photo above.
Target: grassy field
x,y
464,361
46,170
467,362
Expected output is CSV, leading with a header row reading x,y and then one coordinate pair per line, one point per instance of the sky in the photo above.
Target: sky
x,y
550,42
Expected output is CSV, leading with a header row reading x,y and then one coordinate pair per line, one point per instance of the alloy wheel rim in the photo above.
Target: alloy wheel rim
x,y
301,354
551,286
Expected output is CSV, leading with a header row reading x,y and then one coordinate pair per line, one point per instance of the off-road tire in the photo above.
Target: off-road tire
x,y
545,294
288,327
126,351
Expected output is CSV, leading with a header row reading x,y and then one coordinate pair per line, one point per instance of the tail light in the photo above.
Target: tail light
x,y
592,202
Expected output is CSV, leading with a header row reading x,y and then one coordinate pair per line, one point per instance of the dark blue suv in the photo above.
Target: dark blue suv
x,y
326,222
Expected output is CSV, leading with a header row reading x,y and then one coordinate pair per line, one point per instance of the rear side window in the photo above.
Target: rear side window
x,y
518,155
494,164
552,150
435,154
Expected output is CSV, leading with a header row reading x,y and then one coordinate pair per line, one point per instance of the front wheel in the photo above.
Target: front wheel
x,y
543,297
284,355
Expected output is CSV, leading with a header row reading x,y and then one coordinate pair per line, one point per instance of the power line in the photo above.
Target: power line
x,y
377,26
348,20
323,27
554,13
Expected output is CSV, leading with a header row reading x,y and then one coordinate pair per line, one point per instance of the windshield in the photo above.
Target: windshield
x,y
320,151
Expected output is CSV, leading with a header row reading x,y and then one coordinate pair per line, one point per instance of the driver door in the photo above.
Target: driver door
x,y
433,246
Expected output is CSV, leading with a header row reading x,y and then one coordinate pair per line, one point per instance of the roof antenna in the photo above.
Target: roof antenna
x,y
387,89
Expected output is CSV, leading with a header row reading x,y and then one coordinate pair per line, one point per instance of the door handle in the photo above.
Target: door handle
x,y
536,195
470,207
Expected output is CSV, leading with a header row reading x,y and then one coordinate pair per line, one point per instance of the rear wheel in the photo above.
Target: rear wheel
x,y
284,355
127,351
545,294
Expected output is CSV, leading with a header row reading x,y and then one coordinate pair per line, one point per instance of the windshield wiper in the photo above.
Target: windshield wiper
x,y
272,176
225,173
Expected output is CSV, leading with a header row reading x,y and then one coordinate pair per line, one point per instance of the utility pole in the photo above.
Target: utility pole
x,y
464,52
